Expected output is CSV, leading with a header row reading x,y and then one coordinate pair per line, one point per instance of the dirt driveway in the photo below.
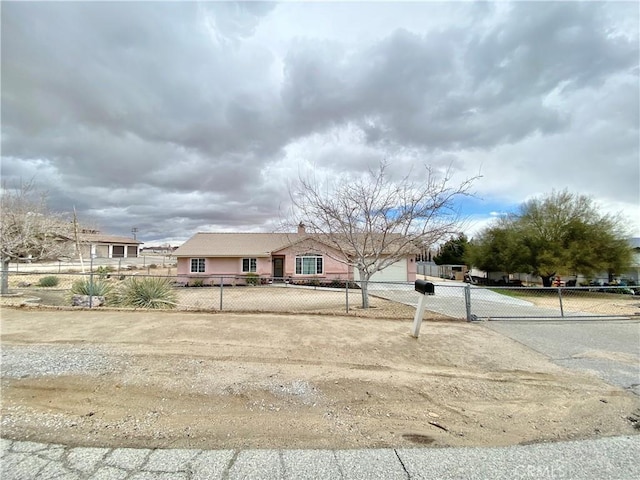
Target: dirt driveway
x,y
188,380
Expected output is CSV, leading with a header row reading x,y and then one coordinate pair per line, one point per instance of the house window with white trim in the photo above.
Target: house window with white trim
x,y
249,265
197,265
309,264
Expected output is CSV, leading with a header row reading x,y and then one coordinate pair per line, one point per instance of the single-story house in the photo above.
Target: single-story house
x,y
210,257
633,272
108,246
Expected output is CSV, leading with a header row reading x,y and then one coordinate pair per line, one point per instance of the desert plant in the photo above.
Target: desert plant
x,y
153,265
252,279
198,282
150,292
48,281
96,288
104,271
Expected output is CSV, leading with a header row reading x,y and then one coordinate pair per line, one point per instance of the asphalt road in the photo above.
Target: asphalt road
x,y
609,349
611,458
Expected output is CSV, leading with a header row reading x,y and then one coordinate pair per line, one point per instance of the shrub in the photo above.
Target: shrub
x,y
150,292
252,279
48,281
97,288
104,271
198,282
153,265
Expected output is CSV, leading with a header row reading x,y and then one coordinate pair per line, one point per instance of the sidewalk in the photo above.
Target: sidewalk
x,y
613,458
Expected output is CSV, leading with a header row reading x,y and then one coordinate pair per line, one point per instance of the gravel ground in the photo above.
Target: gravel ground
x,y
53,360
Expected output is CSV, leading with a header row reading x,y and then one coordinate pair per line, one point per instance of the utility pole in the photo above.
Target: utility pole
x,y
77,238
134,230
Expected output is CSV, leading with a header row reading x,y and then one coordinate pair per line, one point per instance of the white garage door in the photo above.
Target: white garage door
x,y
396,272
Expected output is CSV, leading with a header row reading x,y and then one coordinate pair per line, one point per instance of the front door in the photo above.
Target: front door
x,y
278,269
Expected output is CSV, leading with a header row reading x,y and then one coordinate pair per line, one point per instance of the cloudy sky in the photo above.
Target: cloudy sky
x,y
183,117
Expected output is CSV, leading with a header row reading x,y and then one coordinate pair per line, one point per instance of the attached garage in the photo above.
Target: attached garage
x,y
396,272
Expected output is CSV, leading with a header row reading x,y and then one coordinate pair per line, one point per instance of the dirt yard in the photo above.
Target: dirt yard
x,y
191,380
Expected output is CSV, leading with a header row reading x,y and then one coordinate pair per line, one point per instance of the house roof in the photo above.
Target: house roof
x,y
211,244
101,238
236,244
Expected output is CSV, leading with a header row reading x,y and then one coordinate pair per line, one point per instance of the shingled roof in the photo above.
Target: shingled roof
x,y
210,244
236,244
101,238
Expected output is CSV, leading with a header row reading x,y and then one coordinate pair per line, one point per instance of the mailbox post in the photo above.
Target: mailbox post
x,y
424,288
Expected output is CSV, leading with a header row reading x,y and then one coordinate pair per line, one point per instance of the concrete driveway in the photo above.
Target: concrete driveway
x,y
449,300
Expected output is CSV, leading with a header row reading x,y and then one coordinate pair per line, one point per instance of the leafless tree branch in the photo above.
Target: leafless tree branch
x,y
371,223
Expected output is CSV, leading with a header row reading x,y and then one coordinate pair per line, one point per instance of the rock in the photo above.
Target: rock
x,y
83,301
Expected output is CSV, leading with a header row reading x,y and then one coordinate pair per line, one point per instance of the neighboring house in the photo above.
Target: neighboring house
x,y
108,246
453,272
633,273
282,256
161,249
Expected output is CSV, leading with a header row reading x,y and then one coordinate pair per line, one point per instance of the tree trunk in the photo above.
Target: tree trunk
x,y
364,285
547,280
4,290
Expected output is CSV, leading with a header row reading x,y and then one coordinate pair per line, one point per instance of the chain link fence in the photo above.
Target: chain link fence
x,y
389,300
123,264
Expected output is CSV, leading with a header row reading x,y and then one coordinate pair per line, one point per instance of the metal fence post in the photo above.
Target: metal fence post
x,y
560,298
221,289
467,301
91,283
347,294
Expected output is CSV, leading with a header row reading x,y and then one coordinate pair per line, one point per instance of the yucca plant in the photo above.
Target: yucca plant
x,y
96,288
89,288
149,292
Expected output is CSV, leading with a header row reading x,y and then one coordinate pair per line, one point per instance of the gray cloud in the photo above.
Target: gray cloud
x,y
184,116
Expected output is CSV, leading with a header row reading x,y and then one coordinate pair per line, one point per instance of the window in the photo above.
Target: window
x,y
249,265
309,265
197,265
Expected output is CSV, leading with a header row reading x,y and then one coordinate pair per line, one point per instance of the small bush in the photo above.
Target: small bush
x,y
198,282
151,292
153,265
252,279
49,281
104,271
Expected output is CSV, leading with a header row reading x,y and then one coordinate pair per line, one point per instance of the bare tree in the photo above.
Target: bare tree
x,y
28,229
371,223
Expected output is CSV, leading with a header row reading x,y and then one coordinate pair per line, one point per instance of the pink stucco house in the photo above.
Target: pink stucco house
x,y
300,256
